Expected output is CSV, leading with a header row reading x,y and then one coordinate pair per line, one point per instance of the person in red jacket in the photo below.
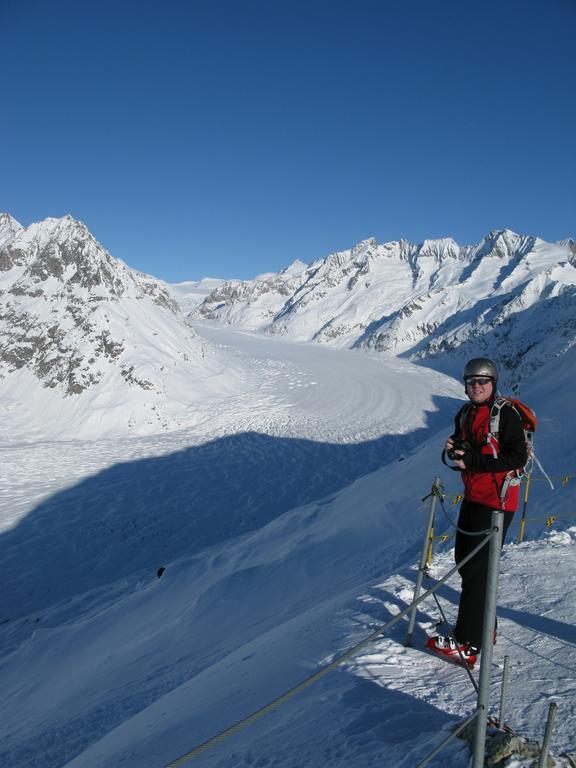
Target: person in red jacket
x,y
486,463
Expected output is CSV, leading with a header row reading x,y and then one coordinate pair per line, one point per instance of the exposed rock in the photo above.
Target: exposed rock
x,y
502,745
61,291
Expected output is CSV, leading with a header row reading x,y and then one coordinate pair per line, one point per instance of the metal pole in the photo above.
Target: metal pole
x,y
548,735
504,695
434,493
488,639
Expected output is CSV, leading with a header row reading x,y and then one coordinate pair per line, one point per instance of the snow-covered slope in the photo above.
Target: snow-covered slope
x,y
511,296
89,347
253,304
191,293
158,587
105,664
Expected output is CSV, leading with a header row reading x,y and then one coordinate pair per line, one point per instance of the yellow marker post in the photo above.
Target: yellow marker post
x,y
525,506
430,546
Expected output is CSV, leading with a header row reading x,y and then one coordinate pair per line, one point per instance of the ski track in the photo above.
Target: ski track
x,y
297,391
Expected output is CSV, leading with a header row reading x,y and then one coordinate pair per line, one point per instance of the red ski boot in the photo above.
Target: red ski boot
x,y
446,648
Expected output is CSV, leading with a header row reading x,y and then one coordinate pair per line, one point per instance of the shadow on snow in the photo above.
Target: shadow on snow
x,y
142,514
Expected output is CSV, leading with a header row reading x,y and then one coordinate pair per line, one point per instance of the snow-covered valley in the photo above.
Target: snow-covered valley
x,y
92,349
201,506
289,521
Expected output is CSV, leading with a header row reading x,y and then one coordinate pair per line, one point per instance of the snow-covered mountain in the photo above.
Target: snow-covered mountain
x,y
280,555
90,347
191,293
253,304
158,588
78,325
510,295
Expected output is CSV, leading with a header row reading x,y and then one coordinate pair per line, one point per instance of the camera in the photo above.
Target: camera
x,y
458,445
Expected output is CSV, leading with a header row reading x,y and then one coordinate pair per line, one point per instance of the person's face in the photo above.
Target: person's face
x,y
479,389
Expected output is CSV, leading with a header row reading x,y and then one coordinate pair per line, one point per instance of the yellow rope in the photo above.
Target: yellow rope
x,y
563,479
549,522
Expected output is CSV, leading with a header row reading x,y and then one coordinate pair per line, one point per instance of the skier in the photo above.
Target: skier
x,y
486,462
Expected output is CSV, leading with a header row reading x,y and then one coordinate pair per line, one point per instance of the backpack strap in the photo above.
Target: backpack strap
x,y
495,410
514,477
494,428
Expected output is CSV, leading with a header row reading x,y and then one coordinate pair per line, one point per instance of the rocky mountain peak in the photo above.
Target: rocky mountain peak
x,y
397,249
9,230
364,246
505,244
64,249
439,249
570,244
295,268
72,315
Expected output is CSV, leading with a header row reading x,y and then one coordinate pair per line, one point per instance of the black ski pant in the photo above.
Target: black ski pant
x,y
473,518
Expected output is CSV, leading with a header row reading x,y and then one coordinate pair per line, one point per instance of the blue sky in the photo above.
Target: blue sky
x,y
228,137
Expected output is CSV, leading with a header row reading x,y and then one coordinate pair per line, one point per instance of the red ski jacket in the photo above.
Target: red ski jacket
x,y
485,475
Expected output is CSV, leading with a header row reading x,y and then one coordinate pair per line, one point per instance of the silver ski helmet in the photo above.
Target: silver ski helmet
x,y
481,366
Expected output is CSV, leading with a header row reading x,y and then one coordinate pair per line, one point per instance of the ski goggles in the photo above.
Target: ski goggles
x,y
480,380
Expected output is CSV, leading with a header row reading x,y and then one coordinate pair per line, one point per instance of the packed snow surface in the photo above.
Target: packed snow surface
x,y
191,293
289,519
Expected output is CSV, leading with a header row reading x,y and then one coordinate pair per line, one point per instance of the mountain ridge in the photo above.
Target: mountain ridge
x,y
76,323
390,297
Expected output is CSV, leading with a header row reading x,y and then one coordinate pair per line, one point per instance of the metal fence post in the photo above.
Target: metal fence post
x,y
548,735
488,639
434,493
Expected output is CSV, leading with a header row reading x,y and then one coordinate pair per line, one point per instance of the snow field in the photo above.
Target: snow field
x,y
289,530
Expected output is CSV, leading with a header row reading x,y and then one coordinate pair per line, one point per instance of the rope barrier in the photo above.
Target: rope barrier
x,y
453,524
489,620
201,748
563,479
549,522
557,516
271,706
